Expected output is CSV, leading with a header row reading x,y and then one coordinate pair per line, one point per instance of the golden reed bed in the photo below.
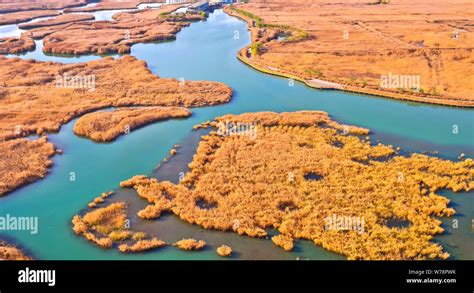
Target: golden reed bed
x,y
39,97
297,172
10,252
108,125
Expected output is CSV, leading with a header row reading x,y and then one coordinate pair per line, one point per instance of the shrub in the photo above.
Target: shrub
x,y
190,244
224,250
138,236
142,245
119,235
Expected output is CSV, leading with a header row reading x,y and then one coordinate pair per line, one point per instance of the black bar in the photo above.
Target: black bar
x,y
240,274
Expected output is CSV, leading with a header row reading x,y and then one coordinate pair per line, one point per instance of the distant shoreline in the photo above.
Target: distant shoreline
x,y
347,88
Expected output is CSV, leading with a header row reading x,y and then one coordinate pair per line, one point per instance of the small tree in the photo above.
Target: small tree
x,y
256,47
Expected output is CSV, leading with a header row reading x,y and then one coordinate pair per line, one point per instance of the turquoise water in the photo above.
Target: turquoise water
x,y
206,51
458,238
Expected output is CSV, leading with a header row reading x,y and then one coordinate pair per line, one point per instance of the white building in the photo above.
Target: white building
x,y
176,1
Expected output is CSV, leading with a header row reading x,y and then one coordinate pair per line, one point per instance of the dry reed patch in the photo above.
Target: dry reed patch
x,y
354,44
102,226
138,236
14,45
10,252
224,250
119,235
106,225
106,219
159,195
190,244
107,5
255,184
117,36
77,34
23,16
38,96
100,199
23,161
12,6
142,245
108,125
58,20
283,241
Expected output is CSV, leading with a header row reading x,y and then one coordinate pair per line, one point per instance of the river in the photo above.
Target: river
x,y
207,50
